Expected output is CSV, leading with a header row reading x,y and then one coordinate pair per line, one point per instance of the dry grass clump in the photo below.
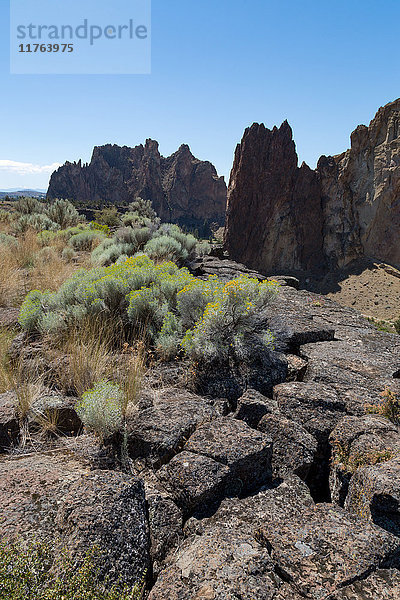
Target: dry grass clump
x,y
26,265
6,336
90,358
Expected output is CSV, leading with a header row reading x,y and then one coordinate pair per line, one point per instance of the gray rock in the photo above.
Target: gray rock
x,y
294,450
194,481
246,452
384,584
159,432
260,369
57,412
359,369
221,564
9,426
317,407
165,522
252,406
357,442
313,550
374,494
108,510
57,499
297,368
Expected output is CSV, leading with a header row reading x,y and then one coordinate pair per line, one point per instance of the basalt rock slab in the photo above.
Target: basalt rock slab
x,y
294,450
252,406
56,498
194,481
357,442
246,452
360,368
313,550
384,584
374,493
157,433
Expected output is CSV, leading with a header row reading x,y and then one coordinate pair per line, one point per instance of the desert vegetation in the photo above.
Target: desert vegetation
x,y
36,573
122,363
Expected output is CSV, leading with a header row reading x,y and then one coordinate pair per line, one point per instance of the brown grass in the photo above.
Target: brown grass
x,y
6,336
28,266
90,359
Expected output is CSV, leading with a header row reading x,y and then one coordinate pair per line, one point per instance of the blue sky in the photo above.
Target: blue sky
x,y
217,66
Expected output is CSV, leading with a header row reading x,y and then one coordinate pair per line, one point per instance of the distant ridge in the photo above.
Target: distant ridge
x,y
15,193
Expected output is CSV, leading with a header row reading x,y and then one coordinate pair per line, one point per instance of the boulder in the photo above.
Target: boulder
x,y
55,413
157,433
260,369
315,406
9,425
294,450
246,452
56,498
374,494
220,564
275,544
252,406
165,523
194,481
359,369
357,442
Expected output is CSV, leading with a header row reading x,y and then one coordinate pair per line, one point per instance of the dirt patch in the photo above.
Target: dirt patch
x,y
373,288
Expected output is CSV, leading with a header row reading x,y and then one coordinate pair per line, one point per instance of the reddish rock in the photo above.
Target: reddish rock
x,y
284,218
272,204
183,189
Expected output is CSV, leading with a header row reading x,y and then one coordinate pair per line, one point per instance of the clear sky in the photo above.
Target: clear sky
x,y
217,66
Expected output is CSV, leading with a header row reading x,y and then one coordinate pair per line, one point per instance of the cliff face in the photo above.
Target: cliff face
x,y
182,188
281,217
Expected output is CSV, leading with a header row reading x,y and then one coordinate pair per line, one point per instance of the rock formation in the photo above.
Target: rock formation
x,y
183,189
281,217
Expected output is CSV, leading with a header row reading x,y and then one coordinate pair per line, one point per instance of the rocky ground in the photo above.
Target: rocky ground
x,y
285,487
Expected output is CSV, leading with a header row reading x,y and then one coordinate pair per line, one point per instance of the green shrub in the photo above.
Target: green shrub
x,y
36,221
164,248
32,311
66,234
108,216
29,206
45,238
85,239
35,572
7,240
230,320
206,319
143,208
5,216
68,254
45,255
100,227
203,248
63,213
102,408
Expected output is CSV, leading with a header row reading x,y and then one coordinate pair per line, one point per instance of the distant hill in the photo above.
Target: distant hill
x,y
15,193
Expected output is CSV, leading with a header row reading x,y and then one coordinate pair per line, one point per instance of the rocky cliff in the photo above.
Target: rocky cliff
x,y
281,217
183,189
